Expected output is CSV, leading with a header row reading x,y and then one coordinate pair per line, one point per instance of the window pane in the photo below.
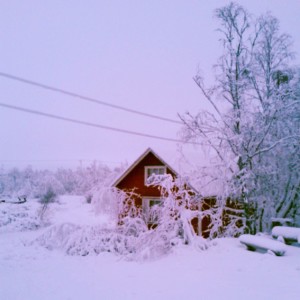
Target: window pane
x,y
155,170
153,202
151,209
161,171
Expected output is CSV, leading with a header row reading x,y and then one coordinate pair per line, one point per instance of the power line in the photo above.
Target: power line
x,y
66,119
85,98
7,161
55,160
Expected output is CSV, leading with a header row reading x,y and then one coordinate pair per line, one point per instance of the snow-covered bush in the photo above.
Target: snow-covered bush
x,y
45,200
226,218
19,217
133,226
104,200
179,206
93,240
152,244
119,205
48,197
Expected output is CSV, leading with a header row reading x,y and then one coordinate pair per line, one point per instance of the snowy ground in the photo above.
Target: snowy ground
x,y
224,271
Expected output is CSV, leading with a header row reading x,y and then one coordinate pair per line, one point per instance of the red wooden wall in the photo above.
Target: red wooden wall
x,y
136,178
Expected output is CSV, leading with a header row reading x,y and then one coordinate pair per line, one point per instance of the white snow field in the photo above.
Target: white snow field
x,y
225,270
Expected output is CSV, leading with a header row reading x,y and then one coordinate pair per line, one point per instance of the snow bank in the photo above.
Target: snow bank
x,y
288,233
258,242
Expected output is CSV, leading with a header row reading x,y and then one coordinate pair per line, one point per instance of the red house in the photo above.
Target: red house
x,y
135,177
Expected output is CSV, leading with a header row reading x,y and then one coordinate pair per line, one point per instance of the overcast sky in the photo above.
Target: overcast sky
x,y
137,54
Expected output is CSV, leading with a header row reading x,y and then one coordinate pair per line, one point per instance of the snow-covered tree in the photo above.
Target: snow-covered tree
x,y
180,205
257,126
36,183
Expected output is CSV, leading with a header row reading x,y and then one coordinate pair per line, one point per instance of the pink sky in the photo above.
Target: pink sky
x,y
138,54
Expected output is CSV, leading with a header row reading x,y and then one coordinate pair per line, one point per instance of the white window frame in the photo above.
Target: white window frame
x,y
153,167
146,207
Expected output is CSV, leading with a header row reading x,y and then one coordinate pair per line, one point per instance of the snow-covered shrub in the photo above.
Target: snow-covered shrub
x,y
83,240
133,226
93,240
180,205
48,197
19,217
151,245
104,200
226,218
118,204
45,200
89,198
127,204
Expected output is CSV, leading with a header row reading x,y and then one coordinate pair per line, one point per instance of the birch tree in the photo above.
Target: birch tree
x,y
260,90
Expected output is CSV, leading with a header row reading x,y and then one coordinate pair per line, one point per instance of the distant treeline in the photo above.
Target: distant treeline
x,y
35,183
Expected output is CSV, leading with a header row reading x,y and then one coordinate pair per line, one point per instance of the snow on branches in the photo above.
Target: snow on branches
x,y
254,122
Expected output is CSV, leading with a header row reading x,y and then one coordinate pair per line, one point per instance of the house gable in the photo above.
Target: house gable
x,y
134,176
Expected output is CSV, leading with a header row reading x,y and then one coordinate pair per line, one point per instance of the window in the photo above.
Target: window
x,y
157,170
151,209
